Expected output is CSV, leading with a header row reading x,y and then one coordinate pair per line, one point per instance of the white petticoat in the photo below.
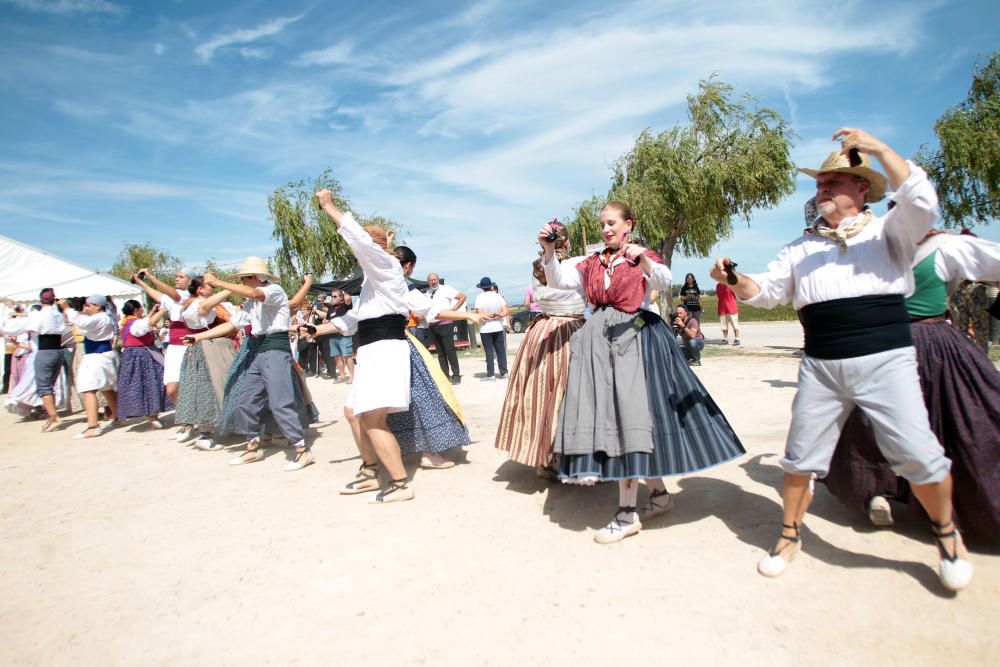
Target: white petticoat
x,y
98,372
381,377
173,357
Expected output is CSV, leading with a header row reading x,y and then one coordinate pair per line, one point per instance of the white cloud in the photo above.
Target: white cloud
x,y
255,52
207,49
338,54
159,49
70,7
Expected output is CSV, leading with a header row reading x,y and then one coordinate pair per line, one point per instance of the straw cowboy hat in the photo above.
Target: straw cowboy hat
x,y
837,161
255,266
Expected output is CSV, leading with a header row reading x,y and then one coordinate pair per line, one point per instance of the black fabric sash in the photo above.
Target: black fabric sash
x,y
49,341
277,340
387,327
847,328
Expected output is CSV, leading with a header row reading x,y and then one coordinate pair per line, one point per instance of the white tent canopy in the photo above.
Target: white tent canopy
x,y
25,271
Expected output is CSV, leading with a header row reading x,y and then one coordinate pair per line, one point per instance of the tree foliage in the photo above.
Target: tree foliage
x,y
965,167
308,239
135,256
586,216
686,184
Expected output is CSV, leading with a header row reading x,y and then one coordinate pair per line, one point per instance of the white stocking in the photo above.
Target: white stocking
x,y
628,494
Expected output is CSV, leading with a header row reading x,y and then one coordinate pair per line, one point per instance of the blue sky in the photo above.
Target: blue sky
x,y
469,123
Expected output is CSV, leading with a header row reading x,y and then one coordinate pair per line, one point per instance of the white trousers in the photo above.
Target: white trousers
x,y
886,387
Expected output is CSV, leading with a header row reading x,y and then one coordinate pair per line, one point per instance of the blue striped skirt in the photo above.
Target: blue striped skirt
x,y
429,425
689,433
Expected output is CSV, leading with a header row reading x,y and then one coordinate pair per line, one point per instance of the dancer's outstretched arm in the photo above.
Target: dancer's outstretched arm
x,y
244,291
154,294
300,296
209,304
160,286
745,287
225,329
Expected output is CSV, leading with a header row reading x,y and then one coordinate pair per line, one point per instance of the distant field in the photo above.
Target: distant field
x,y
710,305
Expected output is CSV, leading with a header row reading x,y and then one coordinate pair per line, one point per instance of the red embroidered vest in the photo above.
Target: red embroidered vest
x,y
627,288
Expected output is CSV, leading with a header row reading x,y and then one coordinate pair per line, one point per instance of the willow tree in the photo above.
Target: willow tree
x,y
687,184
965,168
308,241
585,222
135,256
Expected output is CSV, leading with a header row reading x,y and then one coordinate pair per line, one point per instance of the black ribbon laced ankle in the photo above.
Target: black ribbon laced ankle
x,y
394,485
615,523
795,539
652,504
940,535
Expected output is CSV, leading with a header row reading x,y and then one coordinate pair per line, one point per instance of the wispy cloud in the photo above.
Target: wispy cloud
x,y
337,54
207,49
70,7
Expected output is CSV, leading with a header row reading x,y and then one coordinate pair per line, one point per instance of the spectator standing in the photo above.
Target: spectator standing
x,y
729,314
688,328
342,346
307,348
445,297
691,296
531,302
494,310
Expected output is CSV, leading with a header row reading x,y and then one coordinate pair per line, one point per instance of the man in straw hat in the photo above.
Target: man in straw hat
x,y
848,281
269,379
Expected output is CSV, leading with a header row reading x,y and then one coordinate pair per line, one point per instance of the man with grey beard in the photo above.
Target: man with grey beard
x,y
848,280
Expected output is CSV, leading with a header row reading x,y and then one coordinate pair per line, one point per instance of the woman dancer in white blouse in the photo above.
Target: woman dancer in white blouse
x,y
382,379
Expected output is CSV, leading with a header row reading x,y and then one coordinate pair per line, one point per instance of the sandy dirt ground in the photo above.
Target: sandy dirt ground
x,y
131,549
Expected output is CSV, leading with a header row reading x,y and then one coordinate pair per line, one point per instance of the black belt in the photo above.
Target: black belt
x,y
49,341
847,328
387,327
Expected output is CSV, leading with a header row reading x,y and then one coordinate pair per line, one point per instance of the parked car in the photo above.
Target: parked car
x,y
520,320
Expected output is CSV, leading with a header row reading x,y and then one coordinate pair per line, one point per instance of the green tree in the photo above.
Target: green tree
x,y
965,167
308,241
219,271
135,256
586,217
686,184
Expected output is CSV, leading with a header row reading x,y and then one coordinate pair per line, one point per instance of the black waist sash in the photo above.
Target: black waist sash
x,y
277,340
387,327
847,328
49,341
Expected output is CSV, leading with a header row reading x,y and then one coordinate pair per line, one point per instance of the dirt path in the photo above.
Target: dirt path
x,y
134,550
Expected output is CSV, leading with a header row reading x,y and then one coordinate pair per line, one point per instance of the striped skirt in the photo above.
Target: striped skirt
x,y
430,425
961,390
140,384
535,391
689,432
308,414
203,381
